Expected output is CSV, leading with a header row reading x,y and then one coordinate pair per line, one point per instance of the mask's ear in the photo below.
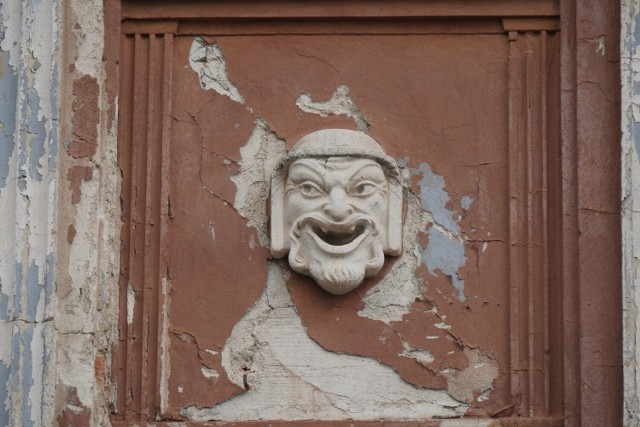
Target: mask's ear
x,y
279,236
393,240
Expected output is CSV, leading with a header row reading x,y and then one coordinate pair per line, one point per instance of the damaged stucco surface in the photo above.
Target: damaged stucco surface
x,y
29,116
630,77
280,371
89,215
54,211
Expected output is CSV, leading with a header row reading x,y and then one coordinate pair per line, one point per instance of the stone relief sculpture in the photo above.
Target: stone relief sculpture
x,y
336,208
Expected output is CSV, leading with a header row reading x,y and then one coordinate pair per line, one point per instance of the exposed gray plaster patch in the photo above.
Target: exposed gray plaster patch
x,y
340,103
207,60
466,202
259,155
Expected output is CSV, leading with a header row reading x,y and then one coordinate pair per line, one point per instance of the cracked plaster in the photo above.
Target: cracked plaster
x,y
630,68
255,356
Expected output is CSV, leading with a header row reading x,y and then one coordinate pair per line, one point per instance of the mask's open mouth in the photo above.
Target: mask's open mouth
x,y
337,238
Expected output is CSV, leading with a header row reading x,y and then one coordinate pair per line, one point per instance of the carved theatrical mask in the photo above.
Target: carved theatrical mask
x,y
336,208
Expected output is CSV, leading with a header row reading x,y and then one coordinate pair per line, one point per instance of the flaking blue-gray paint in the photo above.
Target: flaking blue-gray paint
x,y
34,291
49,279
446,255
4,307
27,374
434,198
29,128
16,355
34,134
4,393
17,296
445,250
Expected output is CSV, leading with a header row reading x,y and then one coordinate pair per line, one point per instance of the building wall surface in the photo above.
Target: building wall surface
x,y
630,65
60,207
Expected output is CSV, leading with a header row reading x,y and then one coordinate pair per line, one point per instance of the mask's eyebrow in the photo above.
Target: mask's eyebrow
x,y
369,171
302,170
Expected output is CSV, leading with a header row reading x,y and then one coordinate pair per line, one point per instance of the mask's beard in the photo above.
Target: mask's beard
x,y
338,265
346,275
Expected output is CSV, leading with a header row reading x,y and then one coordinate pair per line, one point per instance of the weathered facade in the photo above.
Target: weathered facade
x,y
137,149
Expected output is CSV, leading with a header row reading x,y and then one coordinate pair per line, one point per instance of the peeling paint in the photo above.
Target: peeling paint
x,y
340,103
630,155
28,141
260,156
445,250
312,383
445,255
207,60
391,298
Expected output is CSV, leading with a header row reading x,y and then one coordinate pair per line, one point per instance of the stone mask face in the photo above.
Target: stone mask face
x,y
331,213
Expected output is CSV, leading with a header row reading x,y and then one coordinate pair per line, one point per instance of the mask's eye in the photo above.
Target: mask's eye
x,y
309,189
364,189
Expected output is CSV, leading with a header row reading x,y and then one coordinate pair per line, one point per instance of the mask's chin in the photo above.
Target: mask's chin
x,y
339,256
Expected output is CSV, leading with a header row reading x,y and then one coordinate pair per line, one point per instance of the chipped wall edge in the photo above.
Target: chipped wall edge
x,y
630,65
89,204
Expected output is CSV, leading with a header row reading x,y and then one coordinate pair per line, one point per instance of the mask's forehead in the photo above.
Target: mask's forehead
x,y
340,164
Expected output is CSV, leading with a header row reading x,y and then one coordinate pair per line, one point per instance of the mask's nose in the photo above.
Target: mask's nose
x,y
338,208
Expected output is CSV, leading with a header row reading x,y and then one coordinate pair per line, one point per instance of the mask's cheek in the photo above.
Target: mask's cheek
x,y
296,206
376,209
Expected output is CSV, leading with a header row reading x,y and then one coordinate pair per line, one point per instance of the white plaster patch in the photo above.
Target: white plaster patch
x,y
392,296
209,373
259,155
476,378
340,103
165,354
207,60
293,378
601,49
422,356
89,36
131,303
212,230
76,356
